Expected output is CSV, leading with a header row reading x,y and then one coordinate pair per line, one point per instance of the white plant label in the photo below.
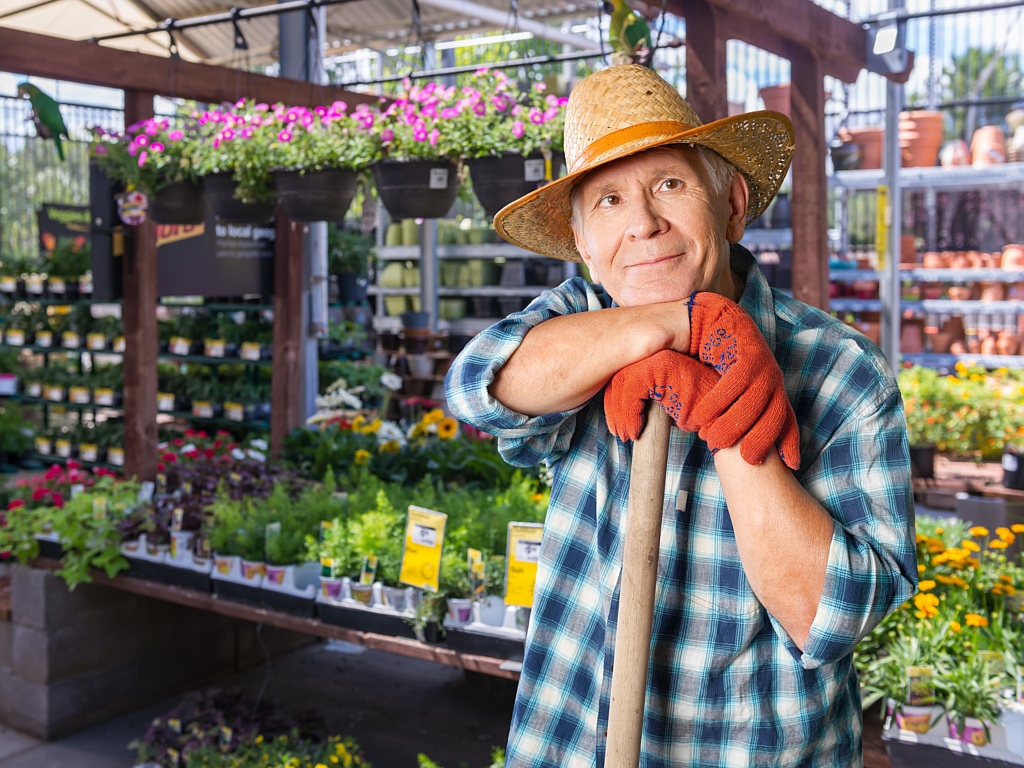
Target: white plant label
x,y
438,178
250,351
527,551
533,170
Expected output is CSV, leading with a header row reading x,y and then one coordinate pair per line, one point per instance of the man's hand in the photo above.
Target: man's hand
x,y
677,382
749,401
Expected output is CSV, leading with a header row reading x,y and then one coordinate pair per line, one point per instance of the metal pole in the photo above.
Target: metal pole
x,y
428,270
892,163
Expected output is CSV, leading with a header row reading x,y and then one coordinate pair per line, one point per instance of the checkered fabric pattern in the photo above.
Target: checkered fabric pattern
x,y
727,686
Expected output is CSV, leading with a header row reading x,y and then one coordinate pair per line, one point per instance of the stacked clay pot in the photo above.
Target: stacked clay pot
x,y
920,137
988,146
869,139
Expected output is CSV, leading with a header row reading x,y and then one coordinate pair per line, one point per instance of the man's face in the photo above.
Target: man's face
x,y
652,229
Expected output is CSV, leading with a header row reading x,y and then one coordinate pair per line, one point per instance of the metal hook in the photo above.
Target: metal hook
x,y
172,46
241,44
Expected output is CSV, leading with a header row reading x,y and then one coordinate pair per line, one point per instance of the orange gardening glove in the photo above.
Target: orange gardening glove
x,y
749,402
671,378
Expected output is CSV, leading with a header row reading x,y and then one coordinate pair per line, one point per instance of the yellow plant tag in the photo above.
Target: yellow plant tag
x,y
214,347
179,345
522,556
43,446
476,572
164,401
234,411
202,409
88,452
882,224
250,351
15,338
79,395
103,396
63,448
96,341
424,540
70,340
116,456
369,570
8,284
119,344
99,508
44,339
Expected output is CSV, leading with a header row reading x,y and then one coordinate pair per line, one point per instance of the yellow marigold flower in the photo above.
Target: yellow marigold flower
x,y
372,427
920,568
447,429
418,431
955,626
958,582
320,765
391,446
943,579
997,589
434,416
334,759
935,547
358,422
362,456
1017,528
921,538
1009,591
960,368
939,530
970,546
998,544
926,586
974,620
940,559
927,605
974,562
1006,578
259,739
979,531
1002,532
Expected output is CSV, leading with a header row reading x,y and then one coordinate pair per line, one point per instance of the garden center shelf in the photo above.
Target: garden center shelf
x,y
527,291
483,251
761,239
49,301
947,362
931,275
937,178
198,359
216,421
944,306
51,458
65,404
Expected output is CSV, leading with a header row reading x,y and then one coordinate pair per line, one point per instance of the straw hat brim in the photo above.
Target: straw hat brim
x,y
760,145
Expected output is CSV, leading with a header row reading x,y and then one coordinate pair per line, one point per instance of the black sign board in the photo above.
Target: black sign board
x,y
216,258
58,221
110,239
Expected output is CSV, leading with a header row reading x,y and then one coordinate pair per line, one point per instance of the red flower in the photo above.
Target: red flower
x,y
217,443
223,433
74,465
193,454
178,441
16,503
161,467
209,453
53,472
58,500
169,457
201,433
189,432
230,446
40,493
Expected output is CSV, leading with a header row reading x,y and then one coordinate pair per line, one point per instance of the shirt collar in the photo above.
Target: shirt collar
x,y
757,299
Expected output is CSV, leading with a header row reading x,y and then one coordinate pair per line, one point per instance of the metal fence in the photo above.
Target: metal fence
x,y
31,172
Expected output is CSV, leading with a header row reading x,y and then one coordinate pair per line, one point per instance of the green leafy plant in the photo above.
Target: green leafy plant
x,y
971,689
348,250
15,432
497,760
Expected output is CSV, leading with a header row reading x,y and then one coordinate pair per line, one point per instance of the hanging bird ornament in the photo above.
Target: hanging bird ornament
x,y
629,37
46,115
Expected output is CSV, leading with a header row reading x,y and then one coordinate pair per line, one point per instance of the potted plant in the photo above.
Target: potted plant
x,y
11,269
15,438
159,159
418,174
65,265
317,155
972,697
348,257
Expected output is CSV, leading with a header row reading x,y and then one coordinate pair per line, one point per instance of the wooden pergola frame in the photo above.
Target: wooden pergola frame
x,y
142,77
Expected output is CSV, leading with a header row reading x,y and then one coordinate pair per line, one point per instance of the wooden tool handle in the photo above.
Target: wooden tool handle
x,y
636,593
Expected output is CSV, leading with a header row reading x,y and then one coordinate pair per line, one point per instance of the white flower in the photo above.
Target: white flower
x,y
391,380
259,444
338,398
256,455
390,431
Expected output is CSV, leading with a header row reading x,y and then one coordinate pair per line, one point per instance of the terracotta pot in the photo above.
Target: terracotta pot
x,y
865,289
908,249
993,291
870,140
939,342
992,260
954,326
1007,343
955,153
959,292
934,260
958,347
976,258
960,261
912,336
988,345
931,290
973,345
988,146
872,330
1013,258
776,97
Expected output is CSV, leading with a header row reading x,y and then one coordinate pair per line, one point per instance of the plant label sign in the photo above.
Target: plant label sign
x,y
250,351
88,452
164,401
477,583
522,555
369,570
533,169
43,338
214,347
424,540
70,340
116,456
96,341
15,337
8,284
920,686
234,411
438,178
103,396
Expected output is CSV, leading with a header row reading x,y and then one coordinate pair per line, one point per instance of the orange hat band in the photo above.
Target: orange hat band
x,y
615,139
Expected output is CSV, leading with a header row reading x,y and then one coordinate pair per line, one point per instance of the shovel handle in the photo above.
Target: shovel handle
x,y
637,590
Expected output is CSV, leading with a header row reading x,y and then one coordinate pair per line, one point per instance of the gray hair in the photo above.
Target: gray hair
x,y
718,170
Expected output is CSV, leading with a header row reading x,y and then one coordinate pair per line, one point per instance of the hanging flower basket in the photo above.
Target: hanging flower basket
x,y
500,180
179,203
220,196
316,195
417,189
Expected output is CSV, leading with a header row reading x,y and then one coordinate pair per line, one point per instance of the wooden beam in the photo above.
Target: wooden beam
x,y
26,53
206,602
839,44
286,378
810,193
705,62
139,318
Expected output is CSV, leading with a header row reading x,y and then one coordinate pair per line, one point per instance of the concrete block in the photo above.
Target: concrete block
x,y
30,654
6,639
28,596
23,705
5,569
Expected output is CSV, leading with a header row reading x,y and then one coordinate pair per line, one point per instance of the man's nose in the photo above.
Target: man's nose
x,y
644,220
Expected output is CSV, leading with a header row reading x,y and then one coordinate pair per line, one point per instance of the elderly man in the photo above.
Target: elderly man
x,y
788,526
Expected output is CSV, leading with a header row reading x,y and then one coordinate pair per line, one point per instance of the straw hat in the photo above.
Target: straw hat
x,y
627,109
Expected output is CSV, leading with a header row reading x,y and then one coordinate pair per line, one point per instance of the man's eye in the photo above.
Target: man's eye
x,y
610,200
672,184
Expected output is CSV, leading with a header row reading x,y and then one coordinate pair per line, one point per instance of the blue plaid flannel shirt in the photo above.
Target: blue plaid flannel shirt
x,y
727,686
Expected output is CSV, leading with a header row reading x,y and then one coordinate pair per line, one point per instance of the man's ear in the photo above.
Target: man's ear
x,y
738,197
581,246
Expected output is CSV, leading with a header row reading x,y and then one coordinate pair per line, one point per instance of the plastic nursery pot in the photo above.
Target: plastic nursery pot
x,y
316,195
362,593
498,181
394,597
331,588
252,570
417,189
973,732
915,719
220,197
460,609
276,573
922,461
182,202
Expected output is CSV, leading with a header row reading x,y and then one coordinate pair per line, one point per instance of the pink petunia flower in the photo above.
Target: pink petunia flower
x,y
156,146
480,109
550,113
518,129
387,135
261,107
434,136
142,140
500,103
100,149
539,87
420,134
536,116
449,112
175,135
247,133
142,158
284,137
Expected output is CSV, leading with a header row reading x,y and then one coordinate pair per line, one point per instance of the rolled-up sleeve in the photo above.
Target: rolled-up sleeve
x,y
862,478
522,440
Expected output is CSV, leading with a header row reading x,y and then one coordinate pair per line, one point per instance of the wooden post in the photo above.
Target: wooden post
x,y
637,590
810,192
705,62
286,382
138,315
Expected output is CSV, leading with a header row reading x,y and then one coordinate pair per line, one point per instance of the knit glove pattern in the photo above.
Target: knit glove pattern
x,y
749,401
674,380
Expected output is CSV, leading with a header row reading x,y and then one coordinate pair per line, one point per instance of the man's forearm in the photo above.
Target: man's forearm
x,y
783,536
565,361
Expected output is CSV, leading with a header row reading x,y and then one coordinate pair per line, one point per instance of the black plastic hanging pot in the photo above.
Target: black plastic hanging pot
x,y
922,461
316,195
417,189
179,203
220,197
351,287
500,180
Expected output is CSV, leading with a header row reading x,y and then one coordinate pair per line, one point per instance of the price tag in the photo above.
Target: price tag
x,y
202,409
44,339
96,341
369,570
214,347
533,170
116,456
55,394
250,351
475,560
173,755
174,724
234,411
179,519
438,178
15,337
62,448
119,344
164,401
44,446
522,556
883,216
161,482
34,285
70,340
8,284
88,452
99,508
85,283
34,389
327,567
57,285
424,539
79,395
225,738
920,686
103,396
179,345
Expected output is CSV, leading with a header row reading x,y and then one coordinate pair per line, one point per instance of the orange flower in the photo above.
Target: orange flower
x,y
998,544
1004,533
974,620
920,568
926,586
1006,578
935,547
970,546
979,531
927,605
955,626
1017,528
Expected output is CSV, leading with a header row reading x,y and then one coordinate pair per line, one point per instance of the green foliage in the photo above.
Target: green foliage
x,y
959,83
348,250
497,760
151,155
972,689
280,752
15,432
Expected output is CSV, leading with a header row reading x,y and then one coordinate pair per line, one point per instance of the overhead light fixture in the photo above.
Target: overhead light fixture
x,y
887,45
